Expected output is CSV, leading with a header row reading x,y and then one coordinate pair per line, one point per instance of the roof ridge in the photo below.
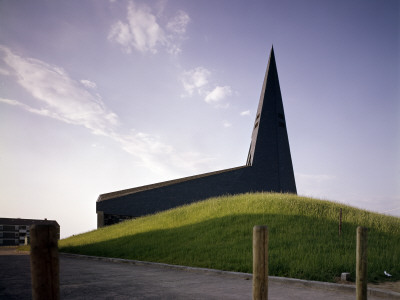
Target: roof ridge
x,y
142,188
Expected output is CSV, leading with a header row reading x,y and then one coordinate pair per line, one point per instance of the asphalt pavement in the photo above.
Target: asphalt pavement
x,y
84,277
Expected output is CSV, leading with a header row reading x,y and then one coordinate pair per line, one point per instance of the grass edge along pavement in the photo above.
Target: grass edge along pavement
x,y
304,242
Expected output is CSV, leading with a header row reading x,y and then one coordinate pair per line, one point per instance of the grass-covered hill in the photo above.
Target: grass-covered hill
x,y
217,233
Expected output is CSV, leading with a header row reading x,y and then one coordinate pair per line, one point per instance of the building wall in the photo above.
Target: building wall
x,y
170,196
12,235
13,232
242,180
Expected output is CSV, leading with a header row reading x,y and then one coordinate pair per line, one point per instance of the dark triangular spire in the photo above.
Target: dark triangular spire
x,y
269,149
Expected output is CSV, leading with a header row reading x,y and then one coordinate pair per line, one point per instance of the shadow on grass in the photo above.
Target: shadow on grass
x,y
299,247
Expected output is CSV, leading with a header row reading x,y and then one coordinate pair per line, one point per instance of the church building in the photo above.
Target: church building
x,y
268,168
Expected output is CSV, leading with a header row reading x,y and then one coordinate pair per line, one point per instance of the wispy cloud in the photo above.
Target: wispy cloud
x,y
88,83
245,113
156,155
61,97
179,23
71,101
143,32
195,80
218,94
227,124
39,111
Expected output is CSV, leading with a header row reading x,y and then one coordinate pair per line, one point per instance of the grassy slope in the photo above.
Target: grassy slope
x,y
217,233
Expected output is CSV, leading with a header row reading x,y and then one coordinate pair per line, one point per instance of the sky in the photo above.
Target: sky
x,y
99,95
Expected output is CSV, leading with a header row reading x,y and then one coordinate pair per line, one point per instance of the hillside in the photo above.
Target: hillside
x,y
217,233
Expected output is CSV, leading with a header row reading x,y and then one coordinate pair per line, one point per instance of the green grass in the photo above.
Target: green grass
x,y
217,233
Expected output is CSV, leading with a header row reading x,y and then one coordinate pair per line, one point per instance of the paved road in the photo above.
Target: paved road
x,y
97,279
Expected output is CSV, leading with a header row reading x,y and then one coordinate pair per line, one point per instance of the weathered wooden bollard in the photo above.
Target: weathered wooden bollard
x,y
44,262
361,264
260,263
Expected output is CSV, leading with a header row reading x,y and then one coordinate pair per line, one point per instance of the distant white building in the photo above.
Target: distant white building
x,y
15,232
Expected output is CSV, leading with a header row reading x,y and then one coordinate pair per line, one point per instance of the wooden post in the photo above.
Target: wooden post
x,y
44,262
260,263
340,222
361,264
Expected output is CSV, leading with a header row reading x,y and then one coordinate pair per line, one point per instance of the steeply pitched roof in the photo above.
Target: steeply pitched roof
x,y
120,193
269,149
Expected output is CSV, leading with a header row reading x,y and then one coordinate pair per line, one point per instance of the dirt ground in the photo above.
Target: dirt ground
x,y
391,286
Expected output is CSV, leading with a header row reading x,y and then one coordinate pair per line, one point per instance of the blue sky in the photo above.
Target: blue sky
x,y
97,96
